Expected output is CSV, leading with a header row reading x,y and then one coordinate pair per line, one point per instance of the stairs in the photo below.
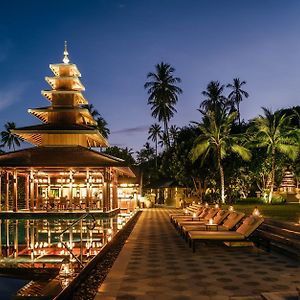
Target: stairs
x,y
279,236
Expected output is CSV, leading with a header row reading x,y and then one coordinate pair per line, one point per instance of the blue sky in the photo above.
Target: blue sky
x,y
116,43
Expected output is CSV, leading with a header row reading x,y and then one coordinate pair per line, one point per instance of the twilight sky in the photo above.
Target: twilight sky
x,y
115,43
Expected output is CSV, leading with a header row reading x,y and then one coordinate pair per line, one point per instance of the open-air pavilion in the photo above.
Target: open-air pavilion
x,y
61,172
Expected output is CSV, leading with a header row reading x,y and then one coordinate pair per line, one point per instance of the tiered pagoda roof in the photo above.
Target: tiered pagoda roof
x,y
66,122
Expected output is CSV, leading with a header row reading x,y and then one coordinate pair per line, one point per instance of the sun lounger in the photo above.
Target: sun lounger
x,y
249,225
228,223
196,216
210,215
189,216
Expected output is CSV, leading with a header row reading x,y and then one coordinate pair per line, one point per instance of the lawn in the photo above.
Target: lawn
x,y
285,212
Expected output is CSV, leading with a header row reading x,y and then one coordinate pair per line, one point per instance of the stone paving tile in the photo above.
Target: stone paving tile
x,y
156,263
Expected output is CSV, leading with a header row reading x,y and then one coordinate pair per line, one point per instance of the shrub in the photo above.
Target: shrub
x,y
250,200
278,200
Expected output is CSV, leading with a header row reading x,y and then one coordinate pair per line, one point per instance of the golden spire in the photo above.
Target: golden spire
x,y
66,54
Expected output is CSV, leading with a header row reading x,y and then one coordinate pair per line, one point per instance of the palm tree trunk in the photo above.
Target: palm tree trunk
x,y
272,176
238,109
221,177
156,152
222,183
167,132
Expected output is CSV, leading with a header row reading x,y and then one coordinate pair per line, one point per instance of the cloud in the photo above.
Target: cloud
x,y
132,130
11,94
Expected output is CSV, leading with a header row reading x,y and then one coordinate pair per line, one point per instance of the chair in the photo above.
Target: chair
x,y
230,220
40,203
187,211
249,225
76,202
210,215
218,218
51,203
206,211
173,217
63,203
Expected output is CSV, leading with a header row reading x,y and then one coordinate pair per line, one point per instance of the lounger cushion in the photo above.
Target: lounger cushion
x,y
202,228
216,235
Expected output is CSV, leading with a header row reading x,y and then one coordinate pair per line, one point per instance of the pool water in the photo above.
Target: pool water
x,y
34,248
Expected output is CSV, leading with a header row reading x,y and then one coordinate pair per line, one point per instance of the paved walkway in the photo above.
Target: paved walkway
x,y
155,263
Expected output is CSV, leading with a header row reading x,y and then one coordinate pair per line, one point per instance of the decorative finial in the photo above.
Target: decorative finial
x,y
66,54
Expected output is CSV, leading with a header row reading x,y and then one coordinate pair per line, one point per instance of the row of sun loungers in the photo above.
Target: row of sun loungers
x,y
203,223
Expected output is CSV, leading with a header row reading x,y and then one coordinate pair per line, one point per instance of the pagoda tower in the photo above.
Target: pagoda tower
x,y
66,121
61,171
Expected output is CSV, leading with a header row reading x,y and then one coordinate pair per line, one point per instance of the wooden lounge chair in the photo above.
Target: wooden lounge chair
x,y
217,219
210,215
202,215
249,225
186,212
228,223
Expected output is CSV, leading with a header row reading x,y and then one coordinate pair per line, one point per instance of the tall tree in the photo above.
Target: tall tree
x,y
216,137
273,132
215,100
94,112
174,130
8,138
102,126
154,134
237,94
101,122
124,153
163,94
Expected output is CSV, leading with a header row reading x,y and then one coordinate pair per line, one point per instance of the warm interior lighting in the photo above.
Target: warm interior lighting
x,y
66,269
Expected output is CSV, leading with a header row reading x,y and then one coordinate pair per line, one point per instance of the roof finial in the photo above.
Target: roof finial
x,y
66,54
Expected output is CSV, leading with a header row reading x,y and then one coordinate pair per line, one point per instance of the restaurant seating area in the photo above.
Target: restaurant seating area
x,y
204,223
65,204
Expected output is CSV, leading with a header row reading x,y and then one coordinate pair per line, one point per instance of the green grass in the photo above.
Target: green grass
x,y
283,212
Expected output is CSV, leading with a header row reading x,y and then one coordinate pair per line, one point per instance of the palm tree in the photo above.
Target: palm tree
x,y
216,137
8,138
273,131
163,94
101,122
215,100
174,130
154,134
237,94
102,127
94,112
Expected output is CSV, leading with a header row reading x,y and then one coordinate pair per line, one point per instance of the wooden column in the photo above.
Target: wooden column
x,y
71,190
106,190
115,191
15,190
27,191
31,190
7,191
87,199
16,240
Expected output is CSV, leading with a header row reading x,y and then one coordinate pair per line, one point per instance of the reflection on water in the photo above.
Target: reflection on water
x,y
48,241
43,246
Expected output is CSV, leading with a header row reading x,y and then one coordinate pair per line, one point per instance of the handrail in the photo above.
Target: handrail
x,y
68,228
